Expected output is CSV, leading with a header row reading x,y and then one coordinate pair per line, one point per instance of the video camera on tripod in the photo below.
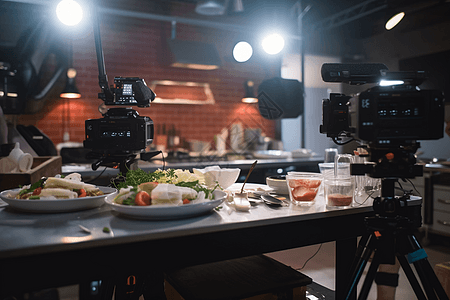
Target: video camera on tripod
x,y
121,134
387,120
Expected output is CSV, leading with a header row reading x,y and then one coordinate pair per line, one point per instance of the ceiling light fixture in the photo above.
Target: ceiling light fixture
x,y
210,8
249,96
394,20
238,6
192,54
71,90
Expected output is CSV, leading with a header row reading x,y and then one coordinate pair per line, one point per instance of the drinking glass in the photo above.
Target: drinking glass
x,y
330,155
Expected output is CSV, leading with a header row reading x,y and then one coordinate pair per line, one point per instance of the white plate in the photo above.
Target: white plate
x,y
159,212
55,206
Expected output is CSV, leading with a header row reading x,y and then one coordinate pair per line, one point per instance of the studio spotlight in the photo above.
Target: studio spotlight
x,y
69,12
242,51
273,44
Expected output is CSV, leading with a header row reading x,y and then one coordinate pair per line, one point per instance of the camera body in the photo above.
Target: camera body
x,y
385,115
389,119
122,130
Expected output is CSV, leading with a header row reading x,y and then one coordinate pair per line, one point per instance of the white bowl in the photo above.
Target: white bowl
x,y
278,184
214,175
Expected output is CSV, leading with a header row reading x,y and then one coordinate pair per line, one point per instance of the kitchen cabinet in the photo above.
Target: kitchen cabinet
x,y
436,210
441,209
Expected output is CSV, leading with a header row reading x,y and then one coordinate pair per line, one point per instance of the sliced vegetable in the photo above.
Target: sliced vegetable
x,y
37,191
34,186
186,201
82,193
142,199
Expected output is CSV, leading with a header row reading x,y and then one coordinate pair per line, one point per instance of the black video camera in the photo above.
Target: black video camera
x,y
382,115
122,130
389,117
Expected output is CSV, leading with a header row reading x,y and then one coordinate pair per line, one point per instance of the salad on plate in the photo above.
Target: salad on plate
x,y
172,187
58,187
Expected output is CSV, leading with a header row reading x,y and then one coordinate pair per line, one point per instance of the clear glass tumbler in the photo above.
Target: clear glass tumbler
x,y
303,187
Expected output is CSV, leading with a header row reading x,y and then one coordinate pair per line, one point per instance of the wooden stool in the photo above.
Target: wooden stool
x,y
253,277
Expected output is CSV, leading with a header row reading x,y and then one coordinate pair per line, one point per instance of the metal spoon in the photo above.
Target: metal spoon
x,y
272,200
248,174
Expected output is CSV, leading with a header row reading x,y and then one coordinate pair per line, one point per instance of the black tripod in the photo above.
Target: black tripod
x,y
390,235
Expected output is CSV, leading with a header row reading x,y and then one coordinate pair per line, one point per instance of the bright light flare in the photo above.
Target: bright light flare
x,y
242,51
273,44
394,21
69,12
391,82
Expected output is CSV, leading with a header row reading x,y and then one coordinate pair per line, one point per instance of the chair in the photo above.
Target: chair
x,y
253,277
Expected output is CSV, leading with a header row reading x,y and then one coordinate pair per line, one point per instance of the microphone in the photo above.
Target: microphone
x,y
352,73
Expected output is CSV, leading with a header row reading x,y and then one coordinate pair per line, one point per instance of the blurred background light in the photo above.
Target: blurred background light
x,y
273,44
392,22
391,82
69,12
242,51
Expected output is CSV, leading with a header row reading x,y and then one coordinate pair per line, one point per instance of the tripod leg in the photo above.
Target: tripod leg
x,y
364,251
411,277
425,267
363,243
370,277
419,258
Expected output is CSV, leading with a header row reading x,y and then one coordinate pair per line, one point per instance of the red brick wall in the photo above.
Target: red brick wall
x,y
136,47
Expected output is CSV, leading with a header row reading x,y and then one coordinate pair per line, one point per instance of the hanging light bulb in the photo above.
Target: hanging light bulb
x,y
71,90
249,96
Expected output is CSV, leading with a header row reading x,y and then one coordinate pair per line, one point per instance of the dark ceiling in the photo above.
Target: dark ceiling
x,y
355,18
327,19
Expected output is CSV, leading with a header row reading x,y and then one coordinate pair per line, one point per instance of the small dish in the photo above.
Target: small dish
x,y
214,174
278,184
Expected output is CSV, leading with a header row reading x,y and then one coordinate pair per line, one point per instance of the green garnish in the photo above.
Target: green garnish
x,y
129,201
34,198
34,186
195,185
106,230
136,177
